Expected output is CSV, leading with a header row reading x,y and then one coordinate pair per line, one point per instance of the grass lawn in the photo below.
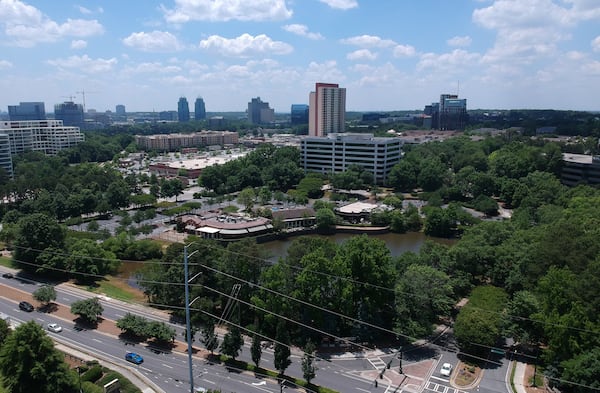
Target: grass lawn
x,y
6,261
117,289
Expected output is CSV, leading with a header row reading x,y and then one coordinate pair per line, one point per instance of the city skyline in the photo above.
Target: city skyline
x,y
499,54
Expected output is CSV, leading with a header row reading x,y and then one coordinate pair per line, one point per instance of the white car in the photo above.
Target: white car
x,y
54,327
446,369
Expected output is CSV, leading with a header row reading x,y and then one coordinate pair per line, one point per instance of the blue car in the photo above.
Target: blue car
x,y
134,358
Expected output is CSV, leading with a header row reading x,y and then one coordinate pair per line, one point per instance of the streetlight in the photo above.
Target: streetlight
x,y
187,311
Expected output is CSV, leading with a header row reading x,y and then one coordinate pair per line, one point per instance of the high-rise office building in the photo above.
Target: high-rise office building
x,y
299,114
183,110
5,155
27,111
120,110
70,113
259,112
452,112
327,110
199,109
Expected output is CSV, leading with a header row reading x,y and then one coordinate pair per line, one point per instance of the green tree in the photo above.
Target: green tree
x,y
134,325
5,331
246,197
89,310
423,296
30,363
36,233
209,338
232,342
326,219
282,349
309,370
161,332
584,370
45,294
256,349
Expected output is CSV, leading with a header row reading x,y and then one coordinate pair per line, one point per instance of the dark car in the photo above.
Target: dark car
x,y
7,275
134,358
26,306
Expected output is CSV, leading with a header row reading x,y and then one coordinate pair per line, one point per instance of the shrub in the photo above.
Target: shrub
x,y
93,374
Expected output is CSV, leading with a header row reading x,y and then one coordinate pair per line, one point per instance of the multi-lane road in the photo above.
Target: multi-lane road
x,y
169,370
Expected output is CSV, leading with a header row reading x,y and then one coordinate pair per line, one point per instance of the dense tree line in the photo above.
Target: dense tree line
x,y
267,165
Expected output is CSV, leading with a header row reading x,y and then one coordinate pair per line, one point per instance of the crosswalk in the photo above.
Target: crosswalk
x,y
377,363
437,388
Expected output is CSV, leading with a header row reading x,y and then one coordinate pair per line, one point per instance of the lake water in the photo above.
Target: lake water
x,y
398,243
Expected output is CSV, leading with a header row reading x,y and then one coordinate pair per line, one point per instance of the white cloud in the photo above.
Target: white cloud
x,y
245,45
361,54
84,64
368,41
457,60
225,10
155,41
341,4
302,30
27,26
404,51
78,44
524,33
5,64
153,68
596,44
460,41
323,72
83,10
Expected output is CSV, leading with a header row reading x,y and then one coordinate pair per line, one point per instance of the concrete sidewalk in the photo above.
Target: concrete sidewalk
x,y
519,377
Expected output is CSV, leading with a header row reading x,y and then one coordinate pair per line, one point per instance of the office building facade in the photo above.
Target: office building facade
x,y
448,114
46,136
199,109
183,110
174,142
259,112
299,114
70,113
27,111
5,155
327,110
335,153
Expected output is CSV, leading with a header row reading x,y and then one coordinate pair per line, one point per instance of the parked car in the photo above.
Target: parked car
x,y
54,327
134,358
26,306
446,369
7,275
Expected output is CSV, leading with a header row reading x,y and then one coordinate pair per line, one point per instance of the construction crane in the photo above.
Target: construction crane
x,y
82,92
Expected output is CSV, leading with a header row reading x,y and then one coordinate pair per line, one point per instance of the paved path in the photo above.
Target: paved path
x,y
519,377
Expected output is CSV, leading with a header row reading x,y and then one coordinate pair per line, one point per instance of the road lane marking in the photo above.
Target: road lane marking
x,y
95,339
167,366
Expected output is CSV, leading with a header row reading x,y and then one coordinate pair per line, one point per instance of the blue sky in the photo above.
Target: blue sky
x,y
388,54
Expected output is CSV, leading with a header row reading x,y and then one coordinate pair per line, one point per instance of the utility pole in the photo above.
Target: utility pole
x,y
400,358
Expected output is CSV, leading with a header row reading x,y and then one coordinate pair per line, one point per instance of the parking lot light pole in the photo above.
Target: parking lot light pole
x,y
187,312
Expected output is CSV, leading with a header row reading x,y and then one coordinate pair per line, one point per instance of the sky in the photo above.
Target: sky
x,y
388,54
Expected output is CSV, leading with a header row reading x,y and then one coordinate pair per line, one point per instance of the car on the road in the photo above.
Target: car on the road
x,y
446,369
54,327
200,389
134,358
26,306
7,275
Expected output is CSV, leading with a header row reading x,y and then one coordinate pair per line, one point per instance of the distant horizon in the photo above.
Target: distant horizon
x,y
386,54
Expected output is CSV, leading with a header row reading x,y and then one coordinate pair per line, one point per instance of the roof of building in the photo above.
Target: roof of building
x,y
288,214
357,207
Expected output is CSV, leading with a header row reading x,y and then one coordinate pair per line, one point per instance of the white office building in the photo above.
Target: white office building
x,y
47,136
337,152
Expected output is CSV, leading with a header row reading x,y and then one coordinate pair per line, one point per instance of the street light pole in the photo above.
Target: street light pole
x,y
187,315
